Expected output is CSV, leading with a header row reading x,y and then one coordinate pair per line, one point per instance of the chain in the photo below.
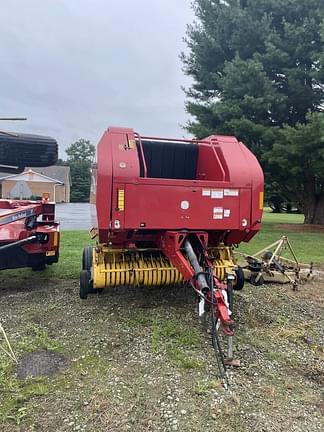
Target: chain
x,y
215,335
214,330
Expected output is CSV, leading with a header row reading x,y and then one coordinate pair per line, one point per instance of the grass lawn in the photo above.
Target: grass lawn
x,y
69,265
308,247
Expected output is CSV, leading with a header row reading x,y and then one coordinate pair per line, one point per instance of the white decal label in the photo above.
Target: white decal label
x,y
231,192
206,192
218,210
218,213
217,193
227,213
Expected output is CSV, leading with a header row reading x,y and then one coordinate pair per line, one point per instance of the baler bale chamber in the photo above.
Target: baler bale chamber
x,y
169,211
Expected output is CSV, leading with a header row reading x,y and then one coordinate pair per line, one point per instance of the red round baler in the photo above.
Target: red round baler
x,y
170,211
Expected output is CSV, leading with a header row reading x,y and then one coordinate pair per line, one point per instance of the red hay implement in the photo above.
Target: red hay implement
x,y
170,211
29,234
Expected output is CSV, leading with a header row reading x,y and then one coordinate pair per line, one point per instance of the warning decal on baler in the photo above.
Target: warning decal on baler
x,y
205,192
220,193
227,213
218,213
231,192
217,193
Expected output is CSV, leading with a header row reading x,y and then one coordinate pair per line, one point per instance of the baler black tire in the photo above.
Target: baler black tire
x,y
87,258
86,266
240,279
84,284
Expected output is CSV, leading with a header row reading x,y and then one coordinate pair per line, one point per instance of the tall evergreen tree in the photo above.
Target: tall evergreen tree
x,y
80,157
257,65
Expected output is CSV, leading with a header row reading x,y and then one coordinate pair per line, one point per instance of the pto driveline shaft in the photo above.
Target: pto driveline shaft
x,y
201,279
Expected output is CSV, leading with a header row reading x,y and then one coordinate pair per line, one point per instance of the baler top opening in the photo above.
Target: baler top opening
x,y
167,158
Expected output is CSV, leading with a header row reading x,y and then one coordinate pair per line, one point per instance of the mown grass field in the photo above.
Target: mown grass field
x,y
68,267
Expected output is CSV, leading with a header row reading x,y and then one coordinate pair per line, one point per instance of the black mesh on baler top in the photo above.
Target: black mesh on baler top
x,y
169,160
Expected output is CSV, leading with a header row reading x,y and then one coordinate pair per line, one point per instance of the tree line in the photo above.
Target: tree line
x,y
258,73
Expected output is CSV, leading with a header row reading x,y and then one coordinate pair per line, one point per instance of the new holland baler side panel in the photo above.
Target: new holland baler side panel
x,y
217,199
109,166
156,206
257,192
103,192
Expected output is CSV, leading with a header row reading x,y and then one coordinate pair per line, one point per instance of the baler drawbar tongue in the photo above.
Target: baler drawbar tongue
x,y
208,293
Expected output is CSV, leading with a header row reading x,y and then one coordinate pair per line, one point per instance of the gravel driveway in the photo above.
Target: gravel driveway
x,y
139,360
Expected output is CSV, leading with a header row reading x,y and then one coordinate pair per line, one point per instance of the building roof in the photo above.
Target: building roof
x,y
3,175
30,175
55,172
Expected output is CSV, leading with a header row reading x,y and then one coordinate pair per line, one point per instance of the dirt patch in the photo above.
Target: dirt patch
x,y
320,405
40,363
314,375
301,228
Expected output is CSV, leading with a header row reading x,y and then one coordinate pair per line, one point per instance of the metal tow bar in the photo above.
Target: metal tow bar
x,y
207,293
18,243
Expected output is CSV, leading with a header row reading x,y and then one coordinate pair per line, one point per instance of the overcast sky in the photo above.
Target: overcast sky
x,y
74,67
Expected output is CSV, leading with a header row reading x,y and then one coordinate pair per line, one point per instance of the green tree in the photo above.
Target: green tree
x,y
80,157
299,152
257,65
